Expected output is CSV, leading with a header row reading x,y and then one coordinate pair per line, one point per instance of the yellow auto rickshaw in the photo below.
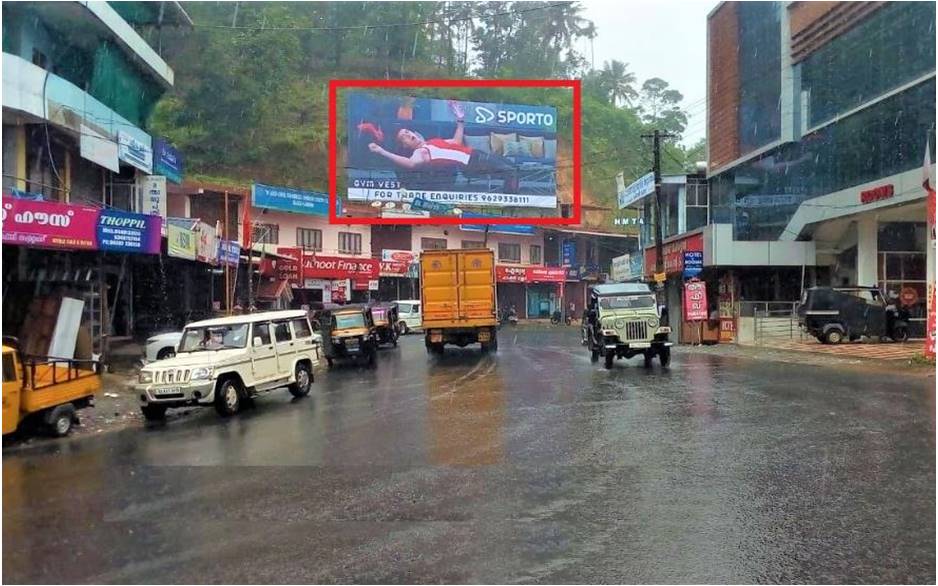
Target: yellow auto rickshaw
x,y
45,390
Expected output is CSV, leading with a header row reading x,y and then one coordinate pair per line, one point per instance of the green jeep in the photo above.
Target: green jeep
x,y
622,320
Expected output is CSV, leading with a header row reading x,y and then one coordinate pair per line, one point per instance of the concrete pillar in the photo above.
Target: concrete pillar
x,y
867,252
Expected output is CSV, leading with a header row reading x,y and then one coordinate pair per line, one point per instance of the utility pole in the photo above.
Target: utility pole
x,y
659,256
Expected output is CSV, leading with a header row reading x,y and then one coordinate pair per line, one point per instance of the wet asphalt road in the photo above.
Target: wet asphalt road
x,y
530,466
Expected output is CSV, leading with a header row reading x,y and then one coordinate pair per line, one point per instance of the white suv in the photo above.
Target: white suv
x,y
225,361
408,313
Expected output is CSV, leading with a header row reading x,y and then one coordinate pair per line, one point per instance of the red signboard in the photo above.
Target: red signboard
x,y
336,267
695,301
673,254
49,224
505,274
359,284
877,193
393,268
290,269
538,274
930,327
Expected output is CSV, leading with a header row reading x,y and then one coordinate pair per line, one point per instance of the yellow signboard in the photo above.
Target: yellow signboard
x,y
180,242
660,277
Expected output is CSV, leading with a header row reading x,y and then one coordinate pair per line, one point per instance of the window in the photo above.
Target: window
x,y
535,256
282,331
262,331
309,239
509,252
760,74
40,59
267,233
350,243
433,243
9,368
473,244
214,338
301,328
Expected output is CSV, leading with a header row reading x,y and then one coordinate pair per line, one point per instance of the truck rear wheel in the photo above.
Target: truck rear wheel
x,y
59,420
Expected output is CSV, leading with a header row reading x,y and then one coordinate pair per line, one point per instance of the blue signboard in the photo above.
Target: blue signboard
x,y
569,252
128,232
494,228
290,200
167,161
693,263
229,252
425,205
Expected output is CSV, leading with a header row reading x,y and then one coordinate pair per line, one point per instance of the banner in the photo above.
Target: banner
x,y
180,239
167,161
47,224
695,301
334,267
538,274
451,152
506,274
621,268
290,200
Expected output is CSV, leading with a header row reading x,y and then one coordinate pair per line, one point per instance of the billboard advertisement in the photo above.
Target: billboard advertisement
x,y
449,152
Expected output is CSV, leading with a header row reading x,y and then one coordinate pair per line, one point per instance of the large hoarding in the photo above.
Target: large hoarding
x,y
456,153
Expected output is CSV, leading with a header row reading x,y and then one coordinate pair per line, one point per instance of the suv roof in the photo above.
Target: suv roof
x,y
621,289
249,318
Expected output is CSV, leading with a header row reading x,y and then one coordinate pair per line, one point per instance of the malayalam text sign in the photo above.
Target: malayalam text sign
x,y
695,301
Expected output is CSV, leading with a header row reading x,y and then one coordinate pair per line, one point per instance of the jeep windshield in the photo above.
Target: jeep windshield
x,y
349,320
627,302
214,338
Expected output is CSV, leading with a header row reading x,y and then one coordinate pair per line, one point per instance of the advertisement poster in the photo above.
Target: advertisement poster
x,y
396,263
449,152
695,301
206,244
48,224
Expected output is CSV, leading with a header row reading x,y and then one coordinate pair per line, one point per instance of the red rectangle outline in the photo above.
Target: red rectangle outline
x,y
335,84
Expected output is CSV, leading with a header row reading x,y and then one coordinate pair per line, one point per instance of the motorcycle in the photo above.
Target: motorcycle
x,y
556,318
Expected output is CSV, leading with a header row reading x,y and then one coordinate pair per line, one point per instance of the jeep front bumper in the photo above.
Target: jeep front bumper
x,y
176,396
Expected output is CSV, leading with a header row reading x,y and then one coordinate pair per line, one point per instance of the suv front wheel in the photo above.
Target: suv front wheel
x,y
228,397
304,380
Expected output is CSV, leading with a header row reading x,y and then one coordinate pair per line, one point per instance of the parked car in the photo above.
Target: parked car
x,y
408,316
832,314
622,321
226,361
161,346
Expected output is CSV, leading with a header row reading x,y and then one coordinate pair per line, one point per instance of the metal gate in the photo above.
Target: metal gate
x,y
775,320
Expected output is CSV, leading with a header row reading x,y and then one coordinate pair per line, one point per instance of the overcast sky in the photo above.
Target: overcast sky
x,y
666,39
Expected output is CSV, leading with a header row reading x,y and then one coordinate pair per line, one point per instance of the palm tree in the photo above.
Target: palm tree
x,y
618,82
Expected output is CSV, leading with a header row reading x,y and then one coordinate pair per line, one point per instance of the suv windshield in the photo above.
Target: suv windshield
x,y
349,320
627,302
214,338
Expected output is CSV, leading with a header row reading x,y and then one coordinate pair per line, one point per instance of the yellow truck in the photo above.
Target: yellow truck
x,y
45,390
458,298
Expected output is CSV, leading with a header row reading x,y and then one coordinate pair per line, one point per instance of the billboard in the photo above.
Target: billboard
x,y
454,153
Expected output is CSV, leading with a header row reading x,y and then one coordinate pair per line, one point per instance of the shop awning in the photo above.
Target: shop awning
x,y
274,290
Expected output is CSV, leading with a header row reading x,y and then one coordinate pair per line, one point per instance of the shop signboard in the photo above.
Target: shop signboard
x,y
335,267
494,228
508,274
135,152
206,244
621,268
401,256
47,224
229,252
287,199
180,238
119,231
167,161
693,263
360,284
290,269
695,301
568,249
99,149
674,253
423,204
644,185
510,148
151,191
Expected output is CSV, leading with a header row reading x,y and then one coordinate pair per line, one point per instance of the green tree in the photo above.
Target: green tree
x,y
660,106
618,83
